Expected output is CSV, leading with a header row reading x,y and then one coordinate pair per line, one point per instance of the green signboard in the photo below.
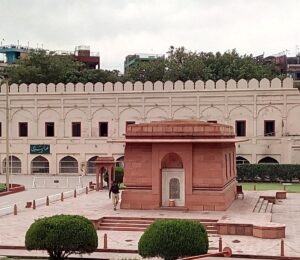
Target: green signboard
x,y
40,148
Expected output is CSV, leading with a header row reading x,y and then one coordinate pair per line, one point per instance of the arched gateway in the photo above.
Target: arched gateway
x,y
189,162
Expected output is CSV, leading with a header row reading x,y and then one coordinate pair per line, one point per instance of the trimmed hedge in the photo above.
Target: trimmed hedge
x,y
62,235
171,239
268,172
2,187
119,173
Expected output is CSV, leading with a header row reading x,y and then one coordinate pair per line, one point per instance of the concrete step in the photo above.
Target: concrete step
x,y
264,206
258,205
269,207
141,218
141,224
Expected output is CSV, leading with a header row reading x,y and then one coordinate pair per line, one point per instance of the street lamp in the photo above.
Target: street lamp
x,y
3,79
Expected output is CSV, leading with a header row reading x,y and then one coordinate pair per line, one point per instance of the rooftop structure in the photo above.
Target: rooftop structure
x,y
131,60
81,53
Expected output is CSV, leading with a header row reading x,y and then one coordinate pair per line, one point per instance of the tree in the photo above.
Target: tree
x,y
182,64
62,235
171,239
146,71
42,67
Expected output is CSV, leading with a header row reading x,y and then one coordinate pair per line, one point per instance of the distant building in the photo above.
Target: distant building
x,y
289,66
82,53
131,60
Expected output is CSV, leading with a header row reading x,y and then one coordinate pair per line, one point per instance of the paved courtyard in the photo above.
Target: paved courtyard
x,y
97,204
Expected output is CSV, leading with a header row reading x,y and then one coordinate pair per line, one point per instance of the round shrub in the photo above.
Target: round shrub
x,y
62,235
171,239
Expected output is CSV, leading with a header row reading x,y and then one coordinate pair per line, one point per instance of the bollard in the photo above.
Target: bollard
x,y
47,201
254,187
86,190
33,204
282,247
220,244
75,193
15,210
105,241
62,196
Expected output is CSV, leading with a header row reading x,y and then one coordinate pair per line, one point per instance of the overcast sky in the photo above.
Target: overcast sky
x,y
116,28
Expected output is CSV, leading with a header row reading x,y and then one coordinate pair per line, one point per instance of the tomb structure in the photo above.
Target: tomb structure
x,y
179,164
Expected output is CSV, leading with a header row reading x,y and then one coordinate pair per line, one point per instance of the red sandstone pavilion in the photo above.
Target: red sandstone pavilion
x,y
186,164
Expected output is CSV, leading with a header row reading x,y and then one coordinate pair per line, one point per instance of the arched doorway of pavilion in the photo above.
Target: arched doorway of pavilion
x,y
173,180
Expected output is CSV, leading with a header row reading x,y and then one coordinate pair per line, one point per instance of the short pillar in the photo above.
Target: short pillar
x,y
75,194
254,187
282,247
97,180
220,244
33,204
105,241
15,210
47,201
62,196
86,190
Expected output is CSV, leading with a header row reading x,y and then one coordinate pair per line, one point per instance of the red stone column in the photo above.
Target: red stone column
x,y
97,181
101,181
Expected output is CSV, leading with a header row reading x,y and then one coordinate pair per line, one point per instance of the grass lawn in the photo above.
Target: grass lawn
x,y
294,187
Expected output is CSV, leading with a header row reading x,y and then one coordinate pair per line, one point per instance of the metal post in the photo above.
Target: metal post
x,y
7,132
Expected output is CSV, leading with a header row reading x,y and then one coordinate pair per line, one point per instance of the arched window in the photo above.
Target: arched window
x,y
241,160
68,164
14,164
91,165
120,162
268,160
39,165
174,189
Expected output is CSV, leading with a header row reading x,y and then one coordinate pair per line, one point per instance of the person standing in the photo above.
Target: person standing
x,y
114,189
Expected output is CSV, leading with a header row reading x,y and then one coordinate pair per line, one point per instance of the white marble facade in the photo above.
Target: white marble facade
x,y
225,102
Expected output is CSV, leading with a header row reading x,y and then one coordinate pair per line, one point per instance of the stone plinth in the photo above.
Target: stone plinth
x,y
191,162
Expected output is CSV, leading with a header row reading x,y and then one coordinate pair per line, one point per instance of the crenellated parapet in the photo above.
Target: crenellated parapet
x,y
148,86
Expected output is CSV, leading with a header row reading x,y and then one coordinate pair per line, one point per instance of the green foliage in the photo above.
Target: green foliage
x,y
62,235
2,187
268,172
119,173
171,239
181,64
42,67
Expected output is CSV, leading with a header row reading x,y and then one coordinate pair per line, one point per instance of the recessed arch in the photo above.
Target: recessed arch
x,y
268,106
68,164
39,165
103,109
183,112
91,165
14,164
171,160
241,106
120,161
45,110
241,160
75,109
268,159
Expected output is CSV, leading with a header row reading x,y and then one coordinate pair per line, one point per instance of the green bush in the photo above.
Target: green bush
x,y
119,173
171,239
62,235
268,172
2,187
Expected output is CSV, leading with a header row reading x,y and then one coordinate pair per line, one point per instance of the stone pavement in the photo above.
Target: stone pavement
x,y
97,204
